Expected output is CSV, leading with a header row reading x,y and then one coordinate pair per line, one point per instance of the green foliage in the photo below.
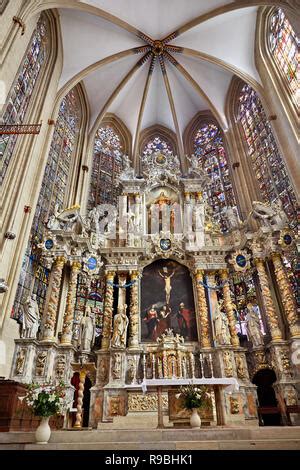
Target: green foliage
x,y
45,399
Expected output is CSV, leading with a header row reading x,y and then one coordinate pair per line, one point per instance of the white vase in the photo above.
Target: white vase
x,y
43,431
195,420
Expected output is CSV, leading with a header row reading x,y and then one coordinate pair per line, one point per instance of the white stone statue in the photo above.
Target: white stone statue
x,y
31,318
254,332
120,328
221,326
128,171
87,330
93,218
53,222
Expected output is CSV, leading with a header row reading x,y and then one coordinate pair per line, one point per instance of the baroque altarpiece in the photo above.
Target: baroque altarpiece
x,y
157,291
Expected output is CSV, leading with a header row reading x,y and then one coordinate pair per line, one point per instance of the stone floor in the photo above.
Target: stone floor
x,y
268,438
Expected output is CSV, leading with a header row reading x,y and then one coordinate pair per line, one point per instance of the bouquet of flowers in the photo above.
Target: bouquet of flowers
x,y
46,399
194,397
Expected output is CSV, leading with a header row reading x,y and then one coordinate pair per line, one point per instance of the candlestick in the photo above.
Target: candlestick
x,y
211,364
153,366
144,365
201,365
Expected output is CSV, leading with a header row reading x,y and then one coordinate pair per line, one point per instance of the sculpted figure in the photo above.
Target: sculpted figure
x,y
221,326
120,328
20,362
253,327
31,318
87,330
167,278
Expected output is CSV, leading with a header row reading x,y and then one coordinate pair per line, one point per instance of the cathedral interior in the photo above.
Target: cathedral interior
x,y
150,172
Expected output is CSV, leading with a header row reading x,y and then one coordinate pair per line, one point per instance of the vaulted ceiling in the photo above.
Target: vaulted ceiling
x,y
159,61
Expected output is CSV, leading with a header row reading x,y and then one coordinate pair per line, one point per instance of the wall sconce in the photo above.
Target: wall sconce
x,y
27,209
235,165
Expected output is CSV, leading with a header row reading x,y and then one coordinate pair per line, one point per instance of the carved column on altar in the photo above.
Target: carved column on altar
x,y
228,305
134,312
69,312
108,310
203,311
52,304
267,300
287,296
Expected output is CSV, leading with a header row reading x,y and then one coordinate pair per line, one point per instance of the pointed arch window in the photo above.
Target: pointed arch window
x,y
264,156
107,165
157,144
284,47
34,276
208,146
21,92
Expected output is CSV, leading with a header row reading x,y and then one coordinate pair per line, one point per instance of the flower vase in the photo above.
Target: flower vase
x,y
43,431
195,420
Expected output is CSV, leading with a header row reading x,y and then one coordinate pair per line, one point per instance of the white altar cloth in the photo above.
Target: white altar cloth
x,y
230,383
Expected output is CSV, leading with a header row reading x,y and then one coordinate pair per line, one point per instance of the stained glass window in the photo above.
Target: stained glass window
x,y
89,294
107,165
209,148
157,144
266,160
34,276
284,45
21,92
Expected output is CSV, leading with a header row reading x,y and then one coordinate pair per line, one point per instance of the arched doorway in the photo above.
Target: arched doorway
x,y
269,414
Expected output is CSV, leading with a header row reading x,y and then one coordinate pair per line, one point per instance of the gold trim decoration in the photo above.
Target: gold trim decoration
x,y
268,301
287,296
108,311
203,311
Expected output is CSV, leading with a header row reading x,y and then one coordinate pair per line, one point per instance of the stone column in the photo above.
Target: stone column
x,y
267,300
108,311
203,312
69,312
134,312
229,307
287,296
52,304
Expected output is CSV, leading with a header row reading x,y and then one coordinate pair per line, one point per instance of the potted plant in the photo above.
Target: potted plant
x,y
194,398
45,400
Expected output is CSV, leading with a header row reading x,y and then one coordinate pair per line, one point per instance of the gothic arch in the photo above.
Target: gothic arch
x,y
257,192
39,92
226,185
158,130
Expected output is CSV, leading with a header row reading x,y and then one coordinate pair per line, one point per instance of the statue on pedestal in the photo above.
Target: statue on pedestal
x,y
31,318
120,328
87,330
253,327
221,326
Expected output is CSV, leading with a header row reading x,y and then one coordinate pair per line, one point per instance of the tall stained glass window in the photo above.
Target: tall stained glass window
x,y
21,92
209,148
266,161
284,46
34,276
107,165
